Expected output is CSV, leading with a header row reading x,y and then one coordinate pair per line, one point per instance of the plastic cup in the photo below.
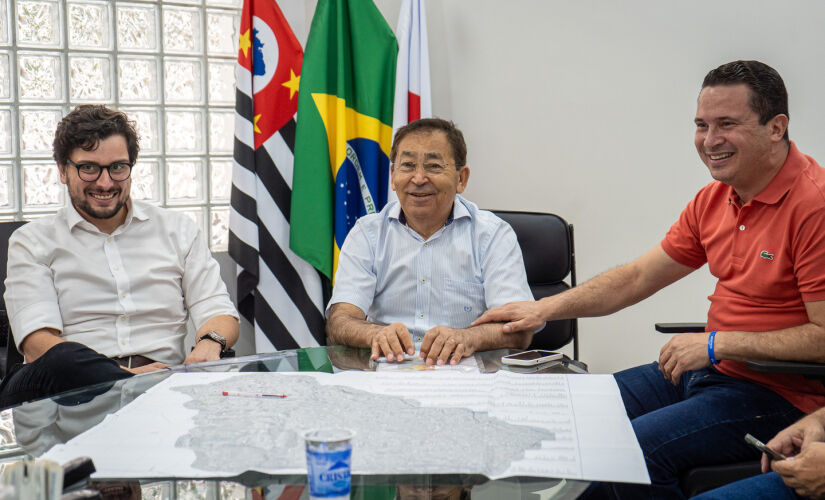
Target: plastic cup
x,y
329,461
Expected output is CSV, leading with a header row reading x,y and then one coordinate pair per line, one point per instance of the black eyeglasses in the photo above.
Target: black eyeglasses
x,y
90,172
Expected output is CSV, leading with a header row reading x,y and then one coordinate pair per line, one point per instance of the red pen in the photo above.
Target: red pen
x,y
252,394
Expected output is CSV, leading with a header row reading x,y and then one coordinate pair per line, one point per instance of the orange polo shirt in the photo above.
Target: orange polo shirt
x,y
768,257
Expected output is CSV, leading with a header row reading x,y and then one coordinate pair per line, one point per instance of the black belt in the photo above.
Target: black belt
x,y
135,361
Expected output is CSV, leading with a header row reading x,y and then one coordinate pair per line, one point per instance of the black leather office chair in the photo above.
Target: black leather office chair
x,y
11,356
701,479
546,242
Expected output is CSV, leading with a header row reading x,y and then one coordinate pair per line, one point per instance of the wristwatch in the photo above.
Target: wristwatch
x,y
215,337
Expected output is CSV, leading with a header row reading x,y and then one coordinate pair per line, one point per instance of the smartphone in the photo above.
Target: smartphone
x,y
759,445
528,358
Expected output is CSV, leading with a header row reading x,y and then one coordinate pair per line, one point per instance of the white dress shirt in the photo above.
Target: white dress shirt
x,y
471,264
129,292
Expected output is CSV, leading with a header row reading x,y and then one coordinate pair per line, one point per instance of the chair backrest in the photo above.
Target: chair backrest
x,y
546,242
12,356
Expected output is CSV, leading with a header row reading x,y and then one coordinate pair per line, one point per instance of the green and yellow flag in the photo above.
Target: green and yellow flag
x,y
344,129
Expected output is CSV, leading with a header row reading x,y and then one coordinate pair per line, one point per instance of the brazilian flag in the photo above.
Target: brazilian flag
x,y
344,129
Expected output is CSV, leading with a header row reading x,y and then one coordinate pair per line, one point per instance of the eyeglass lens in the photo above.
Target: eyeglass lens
x,y
91,172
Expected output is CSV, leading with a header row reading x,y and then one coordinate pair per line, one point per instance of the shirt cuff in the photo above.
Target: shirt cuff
x,y
34,317
208,309
673,252
355,301
813,296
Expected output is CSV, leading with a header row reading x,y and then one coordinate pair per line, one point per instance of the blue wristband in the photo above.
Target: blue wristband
x,y
710,348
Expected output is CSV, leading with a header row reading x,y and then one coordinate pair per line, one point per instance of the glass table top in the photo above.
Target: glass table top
x,y
39,425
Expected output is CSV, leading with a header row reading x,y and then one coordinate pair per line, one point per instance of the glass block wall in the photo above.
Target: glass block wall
x,y
170,65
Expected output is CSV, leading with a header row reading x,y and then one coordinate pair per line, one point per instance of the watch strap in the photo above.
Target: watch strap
x,y
214,337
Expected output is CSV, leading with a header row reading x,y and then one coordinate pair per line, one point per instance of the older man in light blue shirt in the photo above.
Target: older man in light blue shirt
x,y
426,266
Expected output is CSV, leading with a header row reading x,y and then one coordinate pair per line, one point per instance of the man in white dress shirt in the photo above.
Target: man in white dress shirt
x,y
104,288
427,265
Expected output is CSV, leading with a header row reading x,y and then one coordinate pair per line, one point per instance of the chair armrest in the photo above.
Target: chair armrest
x,y
680,327
811,370
794,367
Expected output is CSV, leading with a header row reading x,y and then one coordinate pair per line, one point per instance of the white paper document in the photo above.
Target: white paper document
x,y
433,422
414,363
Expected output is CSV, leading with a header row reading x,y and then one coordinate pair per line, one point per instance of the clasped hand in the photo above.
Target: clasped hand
x,y
803,472
440,345
684,352
803,443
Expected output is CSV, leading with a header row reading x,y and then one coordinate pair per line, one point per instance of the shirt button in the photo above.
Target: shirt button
x,y
123,295
117,268
122,342
421,315
109,239
426,243
742,227
123,318
423,280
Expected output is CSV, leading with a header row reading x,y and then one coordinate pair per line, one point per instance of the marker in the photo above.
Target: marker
x,y
252,394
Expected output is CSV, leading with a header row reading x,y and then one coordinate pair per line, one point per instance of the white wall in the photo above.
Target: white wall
x,y
584,108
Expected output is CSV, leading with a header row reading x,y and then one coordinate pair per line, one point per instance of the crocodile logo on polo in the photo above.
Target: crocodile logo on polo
x,y
765,255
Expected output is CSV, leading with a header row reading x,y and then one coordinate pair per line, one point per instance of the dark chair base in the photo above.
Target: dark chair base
x,y
703,479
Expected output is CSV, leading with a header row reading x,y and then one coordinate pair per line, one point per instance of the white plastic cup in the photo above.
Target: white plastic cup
x,y
329,462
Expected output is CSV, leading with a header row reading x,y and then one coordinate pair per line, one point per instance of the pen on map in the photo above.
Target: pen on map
x,y
252,394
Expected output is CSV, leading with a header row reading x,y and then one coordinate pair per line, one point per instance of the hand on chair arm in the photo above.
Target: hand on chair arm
x,y
346,325
805,343
38,342
607,293
689,351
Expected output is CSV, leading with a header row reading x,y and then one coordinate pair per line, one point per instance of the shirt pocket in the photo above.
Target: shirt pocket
x,y
463,302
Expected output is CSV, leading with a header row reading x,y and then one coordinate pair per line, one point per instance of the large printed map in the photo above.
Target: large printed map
x,y
393,435
499,425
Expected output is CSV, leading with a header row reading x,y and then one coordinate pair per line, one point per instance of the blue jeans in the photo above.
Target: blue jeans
x,y
762,487
701,421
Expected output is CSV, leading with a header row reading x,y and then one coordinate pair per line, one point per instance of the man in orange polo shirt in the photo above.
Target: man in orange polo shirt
x,y
760,226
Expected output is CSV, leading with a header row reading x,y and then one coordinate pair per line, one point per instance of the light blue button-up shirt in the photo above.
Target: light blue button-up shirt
x,y
471,264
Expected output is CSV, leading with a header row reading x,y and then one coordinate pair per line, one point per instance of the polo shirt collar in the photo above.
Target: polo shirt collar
x,y
784,179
